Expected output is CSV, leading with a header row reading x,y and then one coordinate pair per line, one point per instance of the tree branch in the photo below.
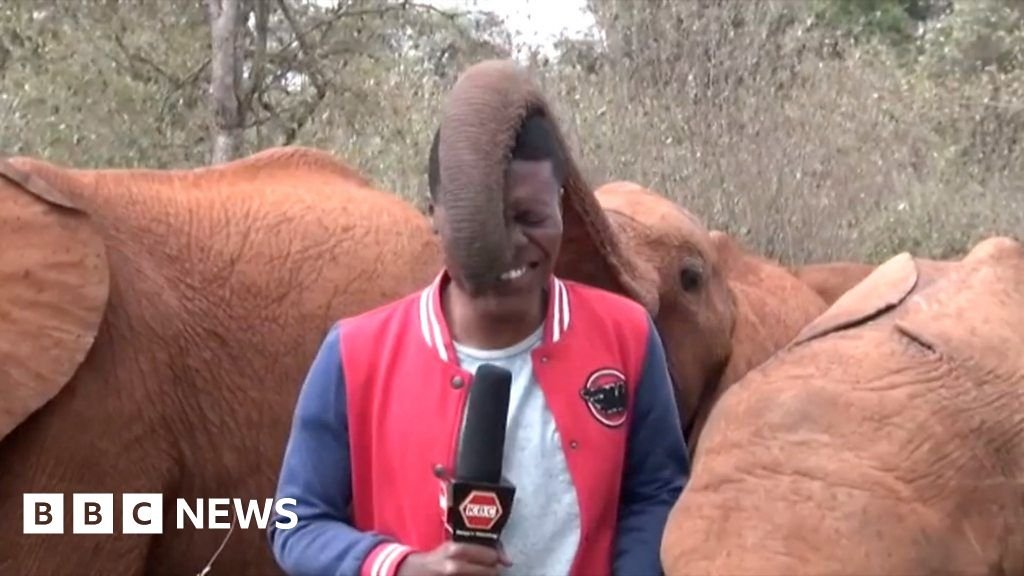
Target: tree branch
x,y
340,12
262,10
135,58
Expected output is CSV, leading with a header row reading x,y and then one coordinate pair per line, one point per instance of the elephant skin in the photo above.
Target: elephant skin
x,y
832,279
722,310
157,326
888,438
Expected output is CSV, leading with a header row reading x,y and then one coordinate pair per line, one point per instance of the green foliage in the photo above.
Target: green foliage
x,y
895,21
129,95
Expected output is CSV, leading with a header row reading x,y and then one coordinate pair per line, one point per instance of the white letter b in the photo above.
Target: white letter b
x,y
42,513
93,514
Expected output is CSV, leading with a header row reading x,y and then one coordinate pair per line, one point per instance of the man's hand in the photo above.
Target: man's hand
x,y
455,559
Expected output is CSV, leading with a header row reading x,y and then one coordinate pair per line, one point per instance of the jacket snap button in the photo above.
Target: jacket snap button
x,y
544,359
573,444
457,382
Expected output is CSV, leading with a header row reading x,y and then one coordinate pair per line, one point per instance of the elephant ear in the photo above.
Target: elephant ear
x,y
54,285
882,290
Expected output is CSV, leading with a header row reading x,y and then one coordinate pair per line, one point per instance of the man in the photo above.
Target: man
x,y
376,422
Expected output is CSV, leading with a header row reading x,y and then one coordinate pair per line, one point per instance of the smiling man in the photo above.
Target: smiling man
x,y
593,445
496,312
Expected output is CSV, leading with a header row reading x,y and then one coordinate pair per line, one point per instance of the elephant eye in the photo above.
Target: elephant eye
x,y
530,218
691,275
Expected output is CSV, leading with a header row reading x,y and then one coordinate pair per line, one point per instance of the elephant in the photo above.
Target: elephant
x,y
722,309
832,279
887,438
157,326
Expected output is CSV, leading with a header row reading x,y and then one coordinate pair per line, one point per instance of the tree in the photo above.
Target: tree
x,y
227,19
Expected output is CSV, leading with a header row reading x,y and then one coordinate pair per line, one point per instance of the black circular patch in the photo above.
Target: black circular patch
x,y
605,395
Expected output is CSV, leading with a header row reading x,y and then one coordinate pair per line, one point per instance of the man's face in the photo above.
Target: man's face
x,y
534,221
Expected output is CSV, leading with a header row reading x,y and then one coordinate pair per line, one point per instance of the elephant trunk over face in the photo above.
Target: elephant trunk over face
x,y
480,121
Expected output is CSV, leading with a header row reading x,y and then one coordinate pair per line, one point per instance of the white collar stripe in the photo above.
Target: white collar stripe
x,y
441,348
424,303
556,313
564,300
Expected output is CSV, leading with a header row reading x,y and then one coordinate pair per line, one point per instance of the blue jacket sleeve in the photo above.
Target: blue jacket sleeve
x,y
656,470
316,473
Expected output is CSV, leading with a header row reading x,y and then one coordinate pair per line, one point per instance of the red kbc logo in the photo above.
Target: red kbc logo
x,y
480,510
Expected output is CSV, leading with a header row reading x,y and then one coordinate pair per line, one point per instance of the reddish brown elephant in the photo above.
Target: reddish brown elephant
x,y
721,308
832,279
156,328
888,438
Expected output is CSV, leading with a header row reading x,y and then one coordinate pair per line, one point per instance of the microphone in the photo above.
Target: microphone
x,y
477,501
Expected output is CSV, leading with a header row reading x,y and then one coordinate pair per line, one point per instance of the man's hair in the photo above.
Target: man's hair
x,y
535,141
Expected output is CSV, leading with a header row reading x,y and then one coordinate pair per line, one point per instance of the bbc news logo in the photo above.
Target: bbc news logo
x,y
143,513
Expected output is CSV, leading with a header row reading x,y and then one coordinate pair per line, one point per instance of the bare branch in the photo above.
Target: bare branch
x,y
261,9
304,50
340,12
136,59
316,76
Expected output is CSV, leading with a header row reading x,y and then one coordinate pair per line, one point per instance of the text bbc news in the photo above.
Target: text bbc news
x,y
143,513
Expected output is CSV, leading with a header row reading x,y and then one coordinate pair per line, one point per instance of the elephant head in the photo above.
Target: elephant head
x,y
721,309
885,439
155,329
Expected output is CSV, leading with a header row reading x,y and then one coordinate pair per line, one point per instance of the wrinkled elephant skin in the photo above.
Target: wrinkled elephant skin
x,y
157,328
888,438
721,309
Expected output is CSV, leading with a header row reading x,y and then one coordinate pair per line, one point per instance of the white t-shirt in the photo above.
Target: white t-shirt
x,y
543,530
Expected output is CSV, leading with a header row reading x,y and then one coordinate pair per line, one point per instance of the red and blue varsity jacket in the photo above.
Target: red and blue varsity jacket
x,y
378,415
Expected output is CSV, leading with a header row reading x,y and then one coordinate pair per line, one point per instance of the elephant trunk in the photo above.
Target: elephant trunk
x,y
477,238
482,116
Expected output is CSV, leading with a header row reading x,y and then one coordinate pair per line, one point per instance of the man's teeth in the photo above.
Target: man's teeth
x,y
513,274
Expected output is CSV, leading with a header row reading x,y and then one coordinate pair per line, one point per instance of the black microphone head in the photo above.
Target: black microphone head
x,y
482,438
